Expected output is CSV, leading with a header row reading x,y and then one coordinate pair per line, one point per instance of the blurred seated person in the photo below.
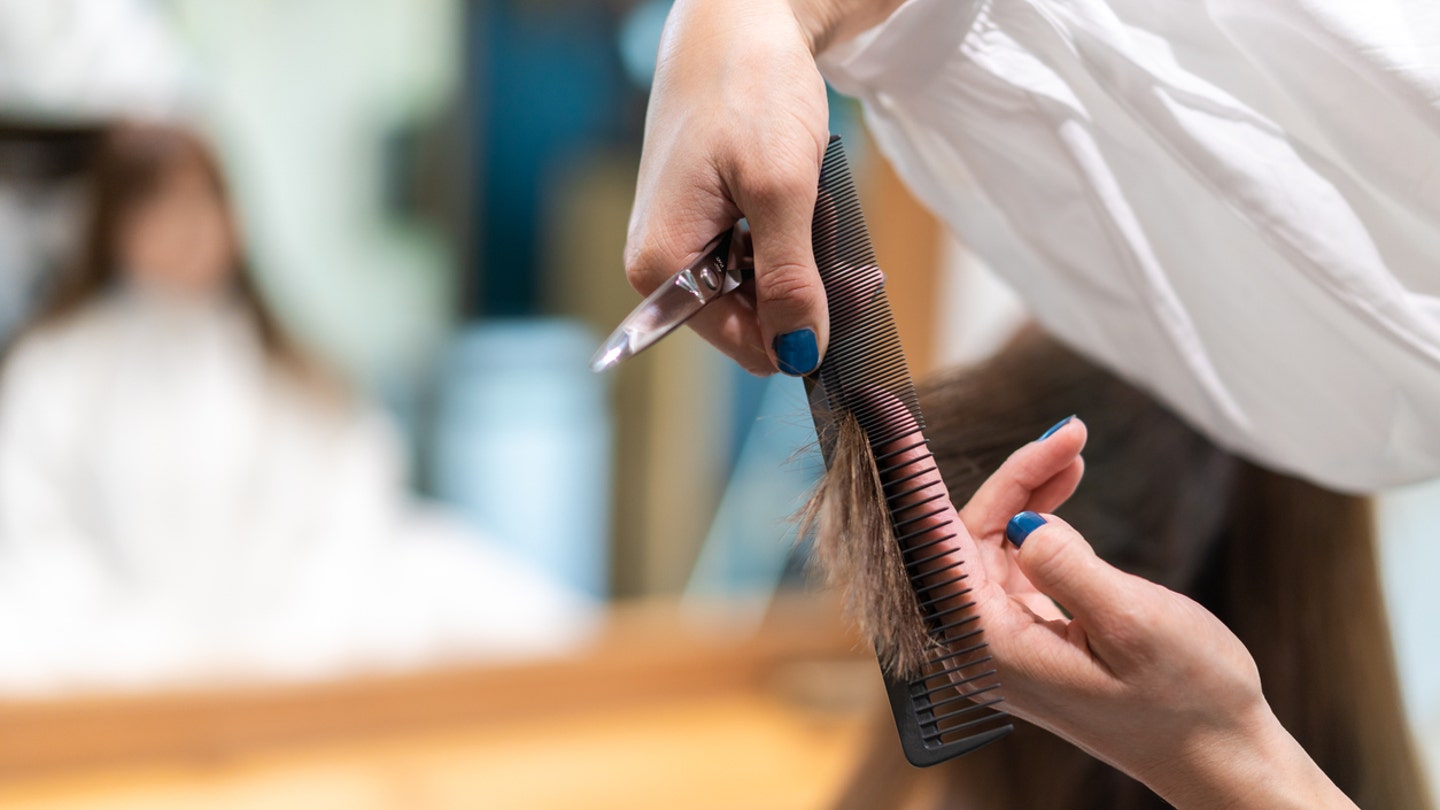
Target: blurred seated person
x,y
186,496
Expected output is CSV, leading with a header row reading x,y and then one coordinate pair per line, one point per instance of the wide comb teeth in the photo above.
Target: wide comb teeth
x,y
952,707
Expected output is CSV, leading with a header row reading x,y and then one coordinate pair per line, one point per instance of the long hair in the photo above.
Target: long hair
x,y
1290,567
129,166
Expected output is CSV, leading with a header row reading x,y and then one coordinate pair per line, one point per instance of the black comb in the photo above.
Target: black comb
x,y
953,705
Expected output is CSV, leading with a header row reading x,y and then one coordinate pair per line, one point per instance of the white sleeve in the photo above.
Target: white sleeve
x,y
1235,205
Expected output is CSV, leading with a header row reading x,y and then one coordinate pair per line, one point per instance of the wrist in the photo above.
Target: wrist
x,y
829,22
1252,764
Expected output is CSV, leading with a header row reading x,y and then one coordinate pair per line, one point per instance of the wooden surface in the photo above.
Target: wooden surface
x,y
720,751
664,710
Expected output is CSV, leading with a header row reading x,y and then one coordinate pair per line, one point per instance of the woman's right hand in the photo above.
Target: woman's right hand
x,y
737,126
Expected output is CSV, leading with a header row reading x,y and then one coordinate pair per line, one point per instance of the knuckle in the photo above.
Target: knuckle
x,y
1063,564
642,264
773,185
1049,559
788,283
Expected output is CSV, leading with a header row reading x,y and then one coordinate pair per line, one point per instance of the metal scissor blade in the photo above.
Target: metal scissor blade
x,y
718,270
673,303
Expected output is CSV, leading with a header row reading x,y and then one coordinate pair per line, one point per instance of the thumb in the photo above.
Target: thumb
x,y
789,297
1063,566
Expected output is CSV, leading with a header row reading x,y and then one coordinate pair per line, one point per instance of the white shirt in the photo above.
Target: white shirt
x,y
1234,204
173,509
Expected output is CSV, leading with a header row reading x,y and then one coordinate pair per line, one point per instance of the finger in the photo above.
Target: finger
x,y
658,247
1038,477
669,226
729,324
1054,493
1063,566
789,296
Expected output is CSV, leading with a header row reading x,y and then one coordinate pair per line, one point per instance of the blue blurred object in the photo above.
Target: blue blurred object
x,y
750,542
545,83
639,39
522,444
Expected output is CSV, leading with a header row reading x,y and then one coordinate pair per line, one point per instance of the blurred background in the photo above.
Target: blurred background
x,y
493,579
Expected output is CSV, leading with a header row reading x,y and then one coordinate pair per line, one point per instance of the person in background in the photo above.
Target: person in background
x,y
186,494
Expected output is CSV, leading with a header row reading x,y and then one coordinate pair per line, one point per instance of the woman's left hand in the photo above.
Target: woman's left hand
x,y
1137,675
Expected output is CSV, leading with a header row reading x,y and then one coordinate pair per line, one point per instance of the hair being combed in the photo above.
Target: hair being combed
x,y
856,549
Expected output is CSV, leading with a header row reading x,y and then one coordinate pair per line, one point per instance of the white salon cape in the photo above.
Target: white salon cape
x,y
1234,204
175,511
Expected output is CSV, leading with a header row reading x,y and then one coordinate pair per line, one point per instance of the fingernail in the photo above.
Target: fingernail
x,y
798,353
1021,526
1062,423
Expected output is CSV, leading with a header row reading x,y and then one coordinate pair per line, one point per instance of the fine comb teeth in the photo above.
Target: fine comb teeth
x,y
953,706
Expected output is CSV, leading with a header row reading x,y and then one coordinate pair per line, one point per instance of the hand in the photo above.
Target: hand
x,y
737,126
1138,676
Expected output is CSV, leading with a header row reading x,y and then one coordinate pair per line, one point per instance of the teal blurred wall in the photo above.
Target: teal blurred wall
x,y
301,95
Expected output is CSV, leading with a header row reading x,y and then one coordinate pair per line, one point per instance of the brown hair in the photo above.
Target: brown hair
x,y
1288,566
130,164
856,550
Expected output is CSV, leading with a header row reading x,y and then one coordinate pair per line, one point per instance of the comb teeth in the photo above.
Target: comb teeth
x,y
953,705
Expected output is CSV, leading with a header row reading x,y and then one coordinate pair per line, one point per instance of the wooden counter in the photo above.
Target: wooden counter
x,y
665,709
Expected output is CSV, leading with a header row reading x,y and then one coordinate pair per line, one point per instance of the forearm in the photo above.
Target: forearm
x,y
1257,766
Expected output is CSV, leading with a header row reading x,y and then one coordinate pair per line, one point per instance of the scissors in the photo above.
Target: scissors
x,y
723,265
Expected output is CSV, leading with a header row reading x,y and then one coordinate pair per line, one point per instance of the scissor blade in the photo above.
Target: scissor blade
x,y
623,344
658,315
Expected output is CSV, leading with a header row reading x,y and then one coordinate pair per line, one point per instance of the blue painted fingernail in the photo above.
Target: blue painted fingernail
x,y
1062,423
798,352
1021,526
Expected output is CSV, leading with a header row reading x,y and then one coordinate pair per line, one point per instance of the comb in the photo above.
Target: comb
x,y
953,705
